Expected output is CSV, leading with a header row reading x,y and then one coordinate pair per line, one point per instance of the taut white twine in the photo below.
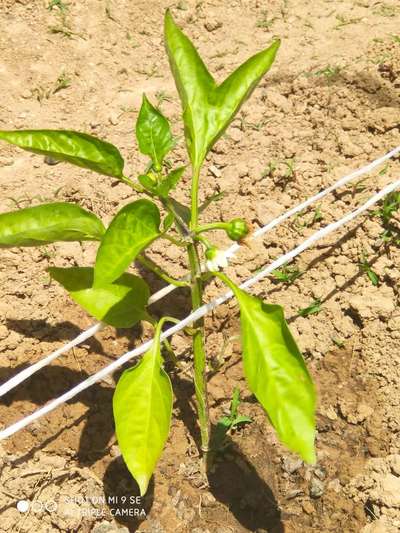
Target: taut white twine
x,y
204,309
230,252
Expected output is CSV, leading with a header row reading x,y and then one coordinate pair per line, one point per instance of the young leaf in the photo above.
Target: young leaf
x,y
46,223
132,229
207,108
142,406
276,372
74,147
170,182
120,304
164,187
153,133
148,183
313,309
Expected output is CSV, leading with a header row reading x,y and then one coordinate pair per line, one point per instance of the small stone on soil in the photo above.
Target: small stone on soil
x,y
291,464
215,171
212,25
316,488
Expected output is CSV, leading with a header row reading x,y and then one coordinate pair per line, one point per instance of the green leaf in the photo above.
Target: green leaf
x,y
132,229
276,372
164,187
168,222
46,223
153,133
235,402
120,304
142,406
208,108
373,277
74,147
312,309
182,210
208,201
148,183
170,182
241,420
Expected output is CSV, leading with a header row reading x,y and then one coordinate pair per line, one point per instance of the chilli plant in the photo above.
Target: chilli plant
x,y
273,365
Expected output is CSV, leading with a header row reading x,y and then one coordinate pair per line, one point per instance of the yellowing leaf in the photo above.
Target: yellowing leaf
x,y
142,406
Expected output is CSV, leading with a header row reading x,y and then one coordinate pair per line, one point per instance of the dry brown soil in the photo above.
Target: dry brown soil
x,y
329,105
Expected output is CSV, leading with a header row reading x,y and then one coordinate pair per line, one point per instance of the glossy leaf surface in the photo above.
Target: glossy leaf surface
x,y
142,406
120,304
74,147
208,108
153,133
46,223
132,229
276,373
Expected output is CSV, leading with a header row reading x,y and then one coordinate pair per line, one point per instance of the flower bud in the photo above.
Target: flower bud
x,y
215,259
237,229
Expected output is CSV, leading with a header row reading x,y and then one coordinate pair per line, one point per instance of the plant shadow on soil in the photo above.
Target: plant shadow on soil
x,y
234,483
233,480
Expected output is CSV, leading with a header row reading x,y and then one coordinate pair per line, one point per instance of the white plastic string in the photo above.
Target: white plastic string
x,y
204,309
29,371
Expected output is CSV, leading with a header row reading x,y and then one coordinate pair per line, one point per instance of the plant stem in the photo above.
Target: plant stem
x,y
199,354
134,186
213,225
177,242
148,263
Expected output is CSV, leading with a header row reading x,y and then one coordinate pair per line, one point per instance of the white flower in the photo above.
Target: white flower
x,y
216,259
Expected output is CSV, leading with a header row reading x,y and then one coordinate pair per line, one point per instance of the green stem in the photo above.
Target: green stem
x,y
136,187
205,241
212,225
171,354
199,354
148,263
177,242
224,278
195,199
160,323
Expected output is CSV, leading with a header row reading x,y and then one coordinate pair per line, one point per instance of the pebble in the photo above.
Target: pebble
x,y
316,488
215,171
212,25
113,119
291,464
51,161
320,473
331,413
115,451
236,135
